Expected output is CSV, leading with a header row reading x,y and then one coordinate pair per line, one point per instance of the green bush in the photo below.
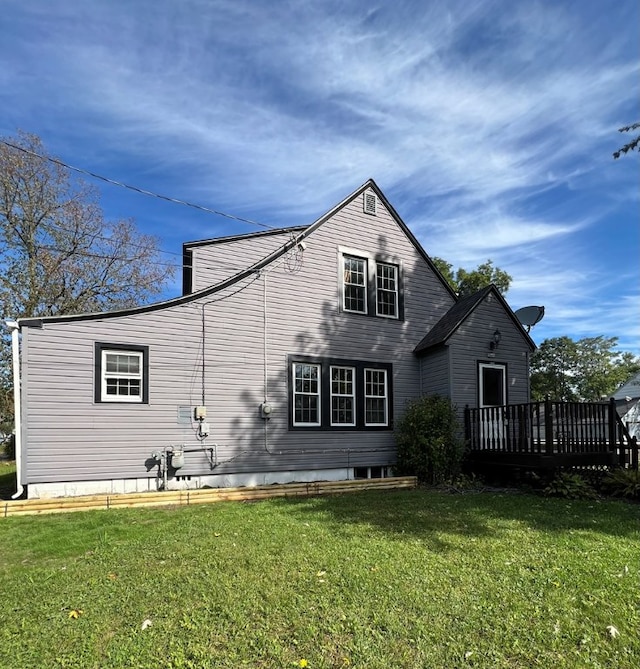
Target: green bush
x,y
429,442
570,486
623,483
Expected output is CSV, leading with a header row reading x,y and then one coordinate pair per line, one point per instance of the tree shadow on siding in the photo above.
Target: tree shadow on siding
x,y
336,334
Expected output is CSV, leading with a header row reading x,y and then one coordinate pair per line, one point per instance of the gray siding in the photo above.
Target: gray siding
x,y
215,262
69,437
435,372
470,345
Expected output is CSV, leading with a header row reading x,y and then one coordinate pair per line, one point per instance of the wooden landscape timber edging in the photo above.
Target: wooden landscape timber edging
x,y
200,496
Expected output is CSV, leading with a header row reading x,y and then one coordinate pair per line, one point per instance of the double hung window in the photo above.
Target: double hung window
x,y
386,290
375,397
306,394
355,284
343,397
121,373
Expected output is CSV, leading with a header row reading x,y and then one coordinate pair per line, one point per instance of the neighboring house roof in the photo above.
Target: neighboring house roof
x,y
451,321
293,241
630,389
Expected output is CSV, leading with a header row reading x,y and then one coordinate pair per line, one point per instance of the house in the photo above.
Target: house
x,y
627,399
288,358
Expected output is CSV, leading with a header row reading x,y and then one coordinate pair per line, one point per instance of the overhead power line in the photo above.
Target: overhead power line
x,y
142,191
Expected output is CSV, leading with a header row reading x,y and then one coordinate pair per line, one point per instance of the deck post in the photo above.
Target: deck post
x,y
548,426
613,438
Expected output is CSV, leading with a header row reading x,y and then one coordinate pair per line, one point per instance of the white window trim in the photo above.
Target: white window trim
x,y
352,395
104,396
318,394
370,289
377,397
396,292
365,286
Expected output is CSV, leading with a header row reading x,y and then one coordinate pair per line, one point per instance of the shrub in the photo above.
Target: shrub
x,y
428,440
623,483
570,486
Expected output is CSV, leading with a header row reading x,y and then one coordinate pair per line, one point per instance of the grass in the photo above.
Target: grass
x,y
377,580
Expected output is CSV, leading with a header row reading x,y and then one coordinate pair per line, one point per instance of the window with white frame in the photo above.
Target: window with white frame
x,y
375,397
327,393
306,394
370,285
355,279
386,290
121,373
343,397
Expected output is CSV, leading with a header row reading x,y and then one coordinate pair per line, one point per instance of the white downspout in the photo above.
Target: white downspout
x,y
14,328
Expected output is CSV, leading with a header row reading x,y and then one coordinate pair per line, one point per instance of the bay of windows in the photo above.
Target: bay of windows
x,y
339,394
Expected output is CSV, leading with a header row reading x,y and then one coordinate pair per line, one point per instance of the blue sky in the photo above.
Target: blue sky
x,y
488,124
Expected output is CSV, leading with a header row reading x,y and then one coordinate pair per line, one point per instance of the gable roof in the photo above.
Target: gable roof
x,y
630,389
292,241
371,185
247,235
188,247
446,327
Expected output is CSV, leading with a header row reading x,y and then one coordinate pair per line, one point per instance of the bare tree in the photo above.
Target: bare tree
x,y
58,254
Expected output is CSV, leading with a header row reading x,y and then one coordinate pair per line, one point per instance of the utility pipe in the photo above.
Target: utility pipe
x,y
14,328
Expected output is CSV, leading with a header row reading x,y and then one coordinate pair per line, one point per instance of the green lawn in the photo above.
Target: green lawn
x,y
371,580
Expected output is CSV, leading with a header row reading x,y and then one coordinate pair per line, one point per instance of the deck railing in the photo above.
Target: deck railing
x,y
551,428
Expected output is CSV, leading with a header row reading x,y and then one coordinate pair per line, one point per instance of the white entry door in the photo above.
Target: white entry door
x,y
492,383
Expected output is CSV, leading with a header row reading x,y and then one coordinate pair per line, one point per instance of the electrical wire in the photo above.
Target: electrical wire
x,y
142,191
89,254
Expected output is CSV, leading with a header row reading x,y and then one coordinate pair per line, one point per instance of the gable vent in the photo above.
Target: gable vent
x,y
370,201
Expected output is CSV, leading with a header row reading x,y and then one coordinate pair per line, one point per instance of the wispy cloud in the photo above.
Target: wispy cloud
x,y
490,125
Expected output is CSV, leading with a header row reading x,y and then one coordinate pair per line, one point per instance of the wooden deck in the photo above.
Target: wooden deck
x,y
549,435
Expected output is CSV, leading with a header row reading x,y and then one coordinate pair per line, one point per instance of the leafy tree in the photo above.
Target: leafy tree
x,y
553,367
466,282
58,254
633,145
584,370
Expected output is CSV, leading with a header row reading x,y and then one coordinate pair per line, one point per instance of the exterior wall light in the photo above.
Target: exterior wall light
x,y
495,342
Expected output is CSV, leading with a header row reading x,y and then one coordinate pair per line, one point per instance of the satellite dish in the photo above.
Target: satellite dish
x,y
529,316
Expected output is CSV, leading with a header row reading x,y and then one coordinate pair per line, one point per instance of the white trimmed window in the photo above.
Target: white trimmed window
x,y
355,284
375,397
121,373
340,394
370,284
386,290
121,376
306,394
343,396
